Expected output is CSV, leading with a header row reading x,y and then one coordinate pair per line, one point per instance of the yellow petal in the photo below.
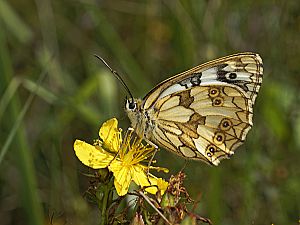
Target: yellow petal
x,y
122,176
140,178
153,187
121,189
151,190
139,175
162,185
92,156
110,134
152,183
157,184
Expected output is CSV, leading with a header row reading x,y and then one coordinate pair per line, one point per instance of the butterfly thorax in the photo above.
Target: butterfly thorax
x,y
141,120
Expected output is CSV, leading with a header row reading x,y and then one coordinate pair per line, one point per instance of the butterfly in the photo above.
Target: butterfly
x,y
203,113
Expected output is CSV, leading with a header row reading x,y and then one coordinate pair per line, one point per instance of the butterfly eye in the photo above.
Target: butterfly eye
x,y
131,105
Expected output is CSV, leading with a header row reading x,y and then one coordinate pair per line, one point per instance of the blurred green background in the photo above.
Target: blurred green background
x,y
50,45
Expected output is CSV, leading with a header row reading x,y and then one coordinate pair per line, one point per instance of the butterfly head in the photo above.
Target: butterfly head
x,y
134,111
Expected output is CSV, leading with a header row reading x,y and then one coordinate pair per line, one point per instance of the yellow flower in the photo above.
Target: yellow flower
x,y
122,157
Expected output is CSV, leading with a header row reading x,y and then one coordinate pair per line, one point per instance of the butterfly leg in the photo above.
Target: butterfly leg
x,y
151,143
154,153
151,160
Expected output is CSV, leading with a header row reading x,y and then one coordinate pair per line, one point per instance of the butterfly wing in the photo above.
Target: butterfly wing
x,y
206,112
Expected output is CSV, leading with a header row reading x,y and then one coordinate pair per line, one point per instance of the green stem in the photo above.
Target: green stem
x,y
105,202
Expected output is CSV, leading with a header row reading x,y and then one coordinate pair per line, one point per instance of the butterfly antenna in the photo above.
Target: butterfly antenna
x,y
116,75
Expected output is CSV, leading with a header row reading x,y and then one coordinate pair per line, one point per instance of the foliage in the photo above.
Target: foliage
x,y
145,41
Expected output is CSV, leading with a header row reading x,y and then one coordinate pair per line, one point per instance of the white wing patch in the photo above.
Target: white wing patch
x,y
172,89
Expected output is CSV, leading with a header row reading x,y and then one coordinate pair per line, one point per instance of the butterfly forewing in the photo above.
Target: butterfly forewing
x,y
244,70
206,112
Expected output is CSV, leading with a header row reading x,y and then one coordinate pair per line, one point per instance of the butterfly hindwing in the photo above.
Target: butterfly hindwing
x,y
205,122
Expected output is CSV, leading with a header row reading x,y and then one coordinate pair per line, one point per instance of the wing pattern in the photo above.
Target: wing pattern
x,y
206,112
